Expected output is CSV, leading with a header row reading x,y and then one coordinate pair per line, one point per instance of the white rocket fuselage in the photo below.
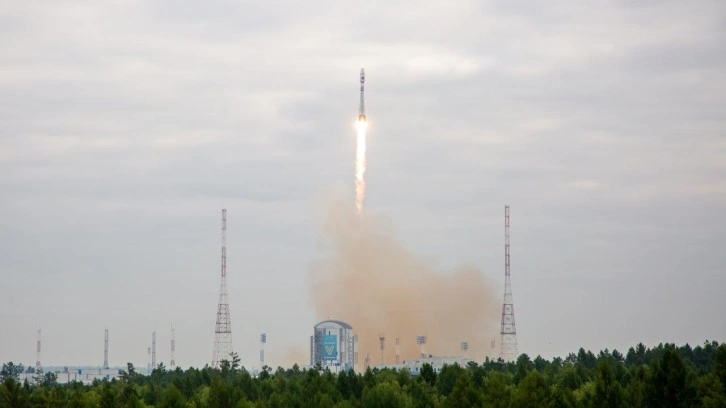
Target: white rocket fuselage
x,y
362,107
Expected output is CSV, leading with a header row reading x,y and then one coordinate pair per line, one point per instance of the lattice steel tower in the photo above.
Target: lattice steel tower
x,y
223,330
508,342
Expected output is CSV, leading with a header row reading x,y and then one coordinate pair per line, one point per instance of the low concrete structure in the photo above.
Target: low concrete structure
x,y
414,366
83,375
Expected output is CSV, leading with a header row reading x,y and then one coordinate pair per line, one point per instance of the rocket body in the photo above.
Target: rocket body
x,y
362,106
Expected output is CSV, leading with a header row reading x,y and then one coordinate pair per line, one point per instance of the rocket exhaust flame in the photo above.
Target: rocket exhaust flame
x,y
360,153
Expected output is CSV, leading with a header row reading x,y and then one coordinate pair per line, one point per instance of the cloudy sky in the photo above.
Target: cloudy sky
x,y
125,127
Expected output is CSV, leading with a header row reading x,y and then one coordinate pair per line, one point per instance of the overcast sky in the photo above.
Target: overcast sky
x,y
126,126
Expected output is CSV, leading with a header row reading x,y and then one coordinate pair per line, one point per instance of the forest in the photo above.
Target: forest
x,y
662,376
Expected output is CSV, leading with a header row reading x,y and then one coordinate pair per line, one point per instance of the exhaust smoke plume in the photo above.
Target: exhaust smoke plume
x,y
371,281
360,164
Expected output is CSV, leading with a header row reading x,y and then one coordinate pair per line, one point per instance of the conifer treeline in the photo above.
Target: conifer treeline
x,y
663,376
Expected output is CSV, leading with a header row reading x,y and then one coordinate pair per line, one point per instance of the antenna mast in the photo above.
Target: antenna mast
x,y
105,350
223,330
172,362
263,340
37,356
153,350
509,331
421,341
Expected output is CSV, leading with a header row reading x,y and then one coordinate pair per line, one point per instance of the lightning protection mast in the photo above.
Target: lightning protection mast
x,y
508,342
223,329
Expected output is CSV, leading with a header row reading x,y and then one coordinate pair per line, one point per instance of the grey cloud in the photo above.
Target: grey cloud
x,y
125,128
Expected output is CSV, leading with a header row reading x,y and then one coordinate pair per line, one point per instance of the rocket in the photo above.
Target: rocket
x,y
362,107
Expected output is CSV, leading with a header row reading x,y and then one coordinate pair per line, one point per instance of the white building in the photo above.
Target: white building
x,y
414,366
84,375
333,345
